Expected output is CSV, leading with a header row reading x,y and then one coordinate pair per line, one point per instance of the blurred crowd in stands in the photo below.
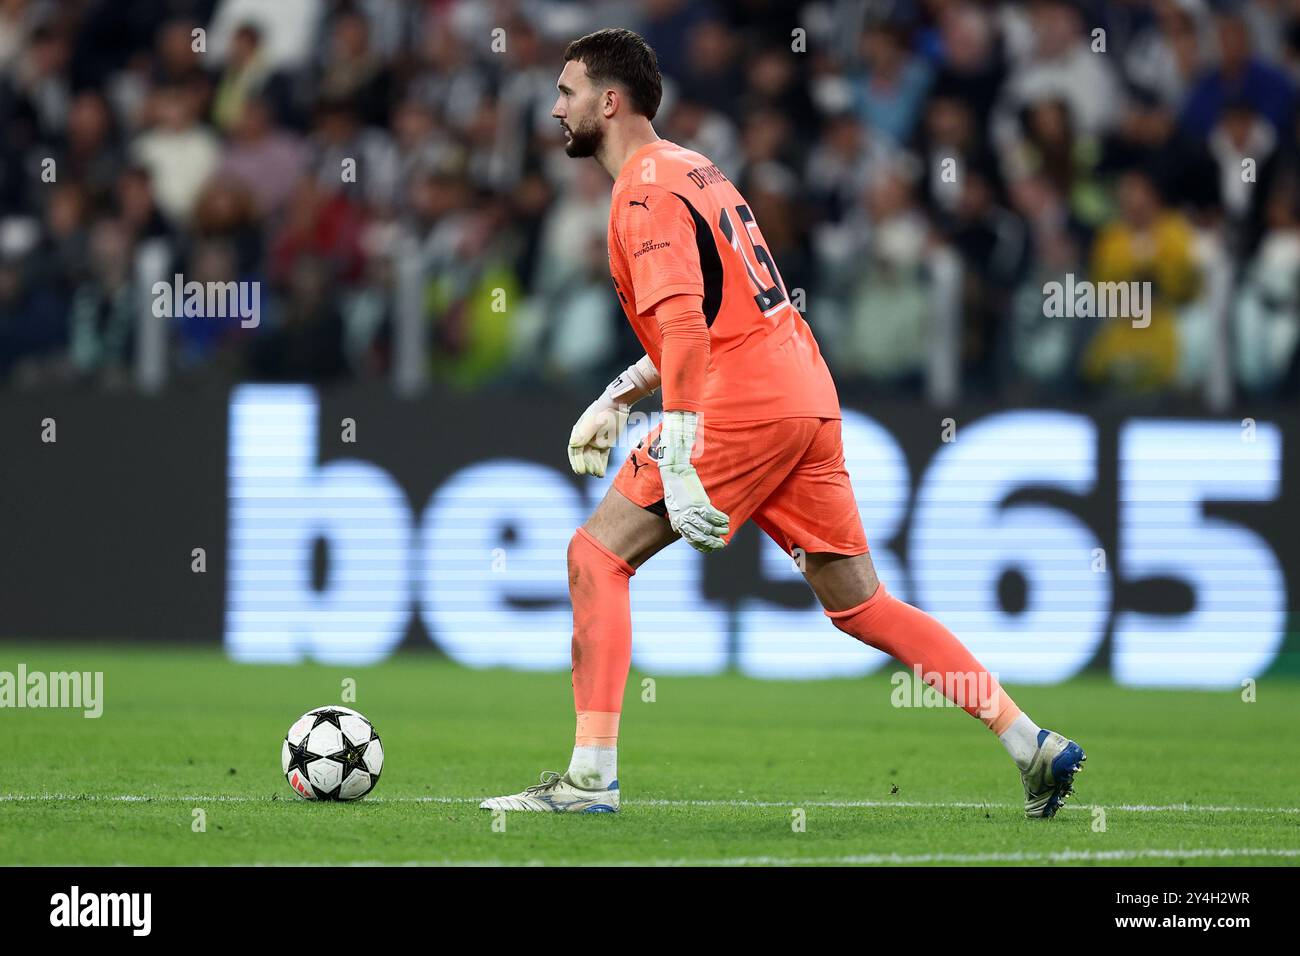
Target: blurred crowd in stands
x,y
1136,140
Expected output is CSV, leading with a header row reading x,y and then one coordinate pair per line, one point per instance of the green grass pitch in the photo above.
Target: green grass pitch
x,y
715,770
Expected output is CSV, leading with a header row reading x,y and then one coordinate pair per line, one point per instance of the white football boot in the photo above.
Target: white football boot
x,y
557,794
1049,778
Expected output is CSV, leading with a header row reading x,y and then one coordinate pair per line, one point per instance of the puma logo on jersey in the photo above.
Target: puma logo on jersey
x,y
643,203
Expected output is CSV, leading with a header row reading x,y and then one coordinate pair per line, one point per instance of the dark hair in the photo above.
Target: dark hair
x,y
622,56
249,28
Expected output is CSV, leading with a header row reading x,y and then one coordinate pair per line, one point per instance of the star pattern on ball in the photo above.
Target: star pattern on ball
x,y
298,757
352,757
329,716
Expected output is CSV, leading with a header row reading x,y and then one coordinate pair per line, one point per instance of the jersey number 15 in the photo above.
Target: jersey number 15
x,y
771,296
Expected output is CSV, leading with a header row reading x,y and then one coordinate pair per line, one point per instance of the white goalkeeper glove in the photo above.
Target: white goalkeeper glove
x,y
600,426
690,512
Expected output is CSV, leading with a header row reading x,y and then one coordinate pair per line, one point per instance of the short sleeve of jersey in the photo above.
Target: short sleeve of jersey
x,y
657,235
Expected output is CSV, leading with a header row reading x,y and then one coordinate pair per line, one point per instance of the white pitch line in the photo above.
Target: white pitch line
x,y
868,859
836,804
924,805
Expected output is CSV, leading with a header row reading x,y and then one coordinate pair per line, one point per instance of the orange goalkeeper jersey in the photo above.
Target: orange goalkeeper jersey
x,y
677,225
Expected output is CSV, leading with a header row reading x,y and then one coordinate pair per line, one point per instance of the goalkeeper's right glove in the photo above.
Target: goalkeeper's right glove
x,y
600,426
690,511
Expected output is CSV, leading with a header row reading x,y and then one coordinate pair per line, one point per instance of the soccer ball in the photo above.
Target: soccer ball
x,y
331,753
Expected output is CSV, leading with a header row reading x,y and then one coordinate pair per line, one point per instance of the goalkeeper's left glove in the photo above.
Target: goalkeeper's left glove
x,y
600,426
690,512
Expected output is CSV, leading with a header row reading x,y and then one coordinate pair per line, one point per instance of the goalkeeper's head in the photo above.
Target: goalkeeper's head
x,y
610,79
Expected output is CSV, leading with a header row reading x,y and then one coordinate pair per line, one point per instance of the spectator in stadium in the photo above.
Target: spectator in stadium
x,y
39,82
837,171
1239,76
971,64
19,134
19,20
1146,242
268,160
523,106
582,337
448,78
471,287
1164,59
323,224
766,138
578,217
348,156
891,89
1049,145
774,82
177,61
135,206
103,312
353,72
668,26
993,243
950,142
1163,62
1244,148
1060,64
883,336
62,248
1266,321
305,341
249,75
178,151
711,76
89,151
227,212
1045,348
209,343
33,315
422,143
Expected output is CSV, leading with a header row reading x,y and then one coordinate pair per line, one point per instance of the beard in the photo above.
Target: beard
x,y
584,140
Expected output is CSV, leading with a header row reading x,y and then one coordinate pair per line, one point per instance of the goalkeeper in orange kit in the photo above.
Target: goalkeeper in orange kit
x,y
751,429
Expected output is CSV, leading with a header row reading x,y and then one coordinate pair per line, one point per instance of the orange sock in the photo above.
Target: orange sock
x,y
602,637
922,643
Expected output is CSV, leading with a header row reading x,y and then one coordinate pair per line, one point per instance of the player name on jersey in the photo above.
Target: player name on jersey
x,y
706,176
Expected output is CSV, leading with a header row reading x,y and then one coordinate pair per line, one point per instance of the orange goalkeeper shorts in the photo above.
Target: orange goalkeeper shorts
x,y
787,474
